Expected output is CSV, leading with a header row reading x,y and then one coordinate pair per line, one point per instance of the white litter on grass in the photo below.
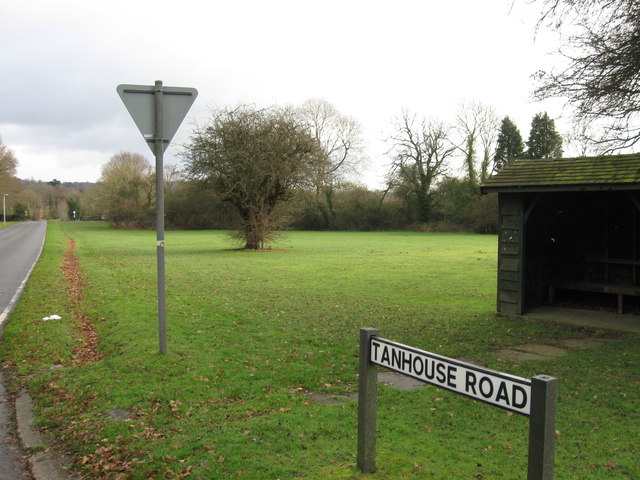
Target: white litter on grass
x,y
52,317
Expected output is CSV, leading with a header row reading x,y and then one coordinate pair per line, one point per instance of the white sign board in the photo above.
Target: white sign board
x,y
496,388
139,100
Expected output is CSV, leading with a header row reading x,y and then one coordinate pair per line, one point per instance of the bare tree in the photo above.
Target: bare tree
x,y
340,140
477,124
586,139
420,149
489,126
339,137
8,163
602,79
9,184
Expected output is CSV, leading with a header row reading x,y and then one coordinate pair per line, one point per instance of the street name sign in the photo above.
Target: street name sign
x,y
535,398
496,388
140,102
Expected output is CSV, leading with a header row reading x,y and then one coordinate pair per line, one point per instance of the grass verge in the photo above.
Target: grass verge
x,y
250,334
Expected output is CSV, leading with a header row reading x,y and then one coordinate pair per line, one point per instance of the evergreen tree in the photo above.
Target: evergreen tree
x,y
509,145
544,141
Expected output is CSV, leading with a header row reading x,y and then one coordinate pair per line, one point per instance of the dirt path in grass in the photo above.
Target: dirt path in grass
x,y
88,350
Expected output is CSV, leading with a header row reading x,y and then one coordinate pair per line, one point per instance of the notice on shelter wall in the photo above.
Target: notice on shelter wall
x,y
496,388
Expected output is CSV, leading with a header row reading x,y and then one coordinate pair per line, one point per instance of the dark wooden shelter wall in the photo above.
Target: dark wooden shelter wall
x,y
510,254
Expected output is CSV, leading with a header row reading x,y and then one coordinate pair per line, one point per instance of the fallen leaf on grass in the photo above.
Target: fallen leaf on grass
x,y
612,465
187,472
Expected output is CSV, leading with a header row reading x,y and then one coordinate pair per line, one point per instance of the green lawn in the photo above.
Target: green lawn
x,y
251,334
5,224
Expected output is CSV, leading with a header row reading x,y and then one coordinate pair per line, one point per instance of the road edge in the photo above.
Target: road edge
x,y
43,462
16,296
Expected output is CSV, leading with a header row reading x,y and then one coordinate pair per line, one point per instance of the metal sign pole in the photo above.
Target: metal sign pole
x,y
159,151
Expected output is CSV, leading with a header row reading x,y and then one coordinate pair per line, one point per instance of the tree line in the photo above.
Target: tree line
x,y
36,200
263,169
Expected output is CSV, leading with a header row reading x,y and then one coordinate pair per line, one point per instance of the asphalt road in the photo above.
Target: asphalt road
x,y
20,247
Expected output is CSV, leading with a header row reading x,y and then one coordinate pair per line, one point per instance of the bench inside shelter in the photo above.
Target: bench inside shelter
x,y
619,290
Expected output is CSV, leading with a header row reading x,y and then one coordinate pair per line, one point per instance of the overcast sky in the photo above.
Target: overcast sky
x,y
62,60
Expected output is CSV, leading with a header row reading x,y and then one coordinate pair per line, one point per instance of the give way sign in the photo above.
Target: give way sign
x,y
140,101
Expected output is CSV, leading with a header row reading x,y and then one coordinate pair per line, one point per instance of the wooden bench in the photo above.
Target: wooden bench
x,y
582,286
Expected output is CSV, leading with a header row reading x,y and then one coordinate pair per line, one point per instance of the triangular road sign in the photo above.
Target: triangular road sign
x,y
140,102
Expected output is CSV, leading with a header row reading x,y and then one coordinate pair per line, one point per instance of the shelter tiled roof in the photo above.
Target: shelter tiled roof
x,y
613,172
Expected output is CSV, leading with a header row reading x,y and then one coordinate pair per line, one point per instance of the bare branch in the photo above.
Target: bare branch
x,y
420,150
602,79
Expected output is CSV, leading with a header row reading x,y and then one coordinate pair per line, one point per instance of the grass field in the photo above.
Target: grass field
x,y
252,334
5,224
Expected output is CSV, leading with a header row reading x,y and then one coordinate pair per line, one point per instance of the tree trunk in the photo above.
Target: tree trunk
x,y
255,228
424,203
